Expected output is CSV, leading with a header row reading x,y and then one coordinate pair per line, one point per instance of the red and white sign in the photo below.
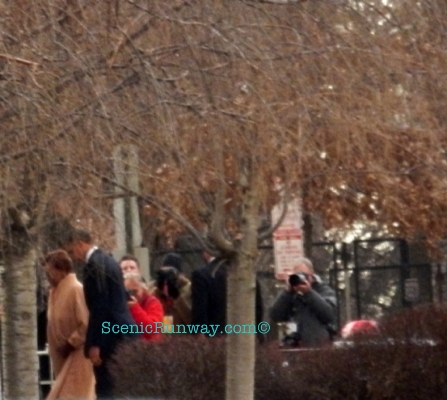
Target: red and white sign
x,y
287,239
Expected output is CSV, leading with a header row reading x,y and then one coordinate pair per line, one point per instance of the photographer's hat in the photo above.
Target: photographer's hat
x,y
173,260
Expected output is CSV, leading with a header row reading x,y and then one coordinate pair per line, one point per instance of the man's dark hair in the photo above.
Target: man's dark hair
x,y
129,257
60,260
79,235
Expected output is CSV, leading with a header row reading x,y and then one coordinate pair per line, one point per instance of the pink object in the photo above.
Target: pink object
x,y
360,326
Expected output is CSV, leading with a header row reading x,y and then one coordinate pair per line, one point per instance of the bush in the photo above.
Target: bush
x,y
375,368
179,368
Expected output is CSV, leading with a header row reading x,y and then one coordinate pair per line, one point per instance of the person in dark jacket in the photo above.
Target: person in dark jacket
x,y
310,304
106,300
209,295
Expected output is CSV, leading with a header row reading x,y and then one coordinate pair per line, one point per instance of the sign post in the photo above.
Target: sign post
x,y
125,208
287,238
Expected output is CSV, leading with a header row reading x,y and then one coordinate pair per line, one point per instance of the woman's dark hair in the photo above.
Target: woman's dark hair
x,y
60,260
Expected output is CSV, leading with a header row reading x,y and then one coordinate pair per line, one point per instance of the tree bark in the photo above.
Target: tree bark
x,y
241,291
19,326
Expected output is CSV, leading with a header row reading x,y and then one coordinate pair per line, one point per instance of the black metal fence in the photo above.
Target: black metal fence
x,y
372,278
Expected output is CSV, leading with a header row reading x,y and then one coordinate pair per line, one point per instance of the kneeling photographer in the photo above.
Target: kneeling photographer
x,y
310,304
173,290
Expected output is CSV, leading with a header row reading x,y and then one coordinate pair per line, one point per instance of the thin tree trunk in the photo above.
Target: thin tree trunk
x,y
20,326
240,347
241,293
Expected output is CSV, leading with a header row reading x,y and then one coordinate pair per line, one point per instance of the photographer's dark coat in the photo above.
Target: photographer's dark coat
x,y
314,312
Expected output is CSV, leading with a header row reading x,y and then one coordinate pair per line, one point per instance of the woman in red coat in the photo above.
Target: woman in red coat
x,y
145,308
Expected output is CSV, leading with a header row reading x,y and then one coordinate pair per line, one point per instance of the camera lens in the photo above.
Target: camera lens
x,y
297,279
294,280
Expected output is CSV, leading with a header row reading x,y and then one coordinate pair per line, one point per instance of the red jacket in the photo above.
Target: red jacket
x,y
149,311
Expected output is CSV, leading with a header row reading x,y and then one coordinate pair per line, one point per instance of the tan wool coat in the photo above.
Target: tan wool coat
x,y
67,324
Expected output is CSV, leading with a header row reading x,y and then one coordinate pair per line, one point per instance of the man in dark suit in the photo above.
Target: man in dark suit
x,y
106,300
209,295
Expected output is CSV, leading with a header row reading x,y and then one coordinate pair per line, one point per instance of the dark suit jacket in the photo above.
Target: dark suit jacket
x,y
106,300
209,295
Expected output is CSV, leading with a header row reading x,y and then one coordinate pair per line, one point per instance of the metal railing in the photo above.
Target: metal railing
x,y
45,383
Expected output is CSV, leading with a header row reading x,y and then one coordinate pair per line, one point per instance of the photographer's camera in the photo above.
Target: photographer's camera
x,y
297,279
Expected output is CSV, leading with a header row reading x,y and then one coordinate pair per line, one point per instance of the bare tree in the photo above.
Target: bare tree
x,y
223,98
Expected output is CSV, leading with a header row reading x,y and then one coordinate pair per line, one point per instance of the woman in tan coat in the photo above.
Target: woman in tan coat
x,y
66,329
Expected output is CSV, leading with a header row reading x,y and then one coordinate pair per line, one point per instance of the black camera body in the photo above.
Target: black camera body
x,y
297,279
168,276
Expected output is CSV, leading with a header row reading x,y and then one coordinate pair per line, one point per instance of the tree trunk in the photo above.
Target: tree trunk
x,y
20,326
241,294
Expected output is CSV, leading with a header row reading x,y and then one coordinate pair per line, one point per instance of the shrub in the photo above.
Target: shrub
x,y
179,368
397,364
